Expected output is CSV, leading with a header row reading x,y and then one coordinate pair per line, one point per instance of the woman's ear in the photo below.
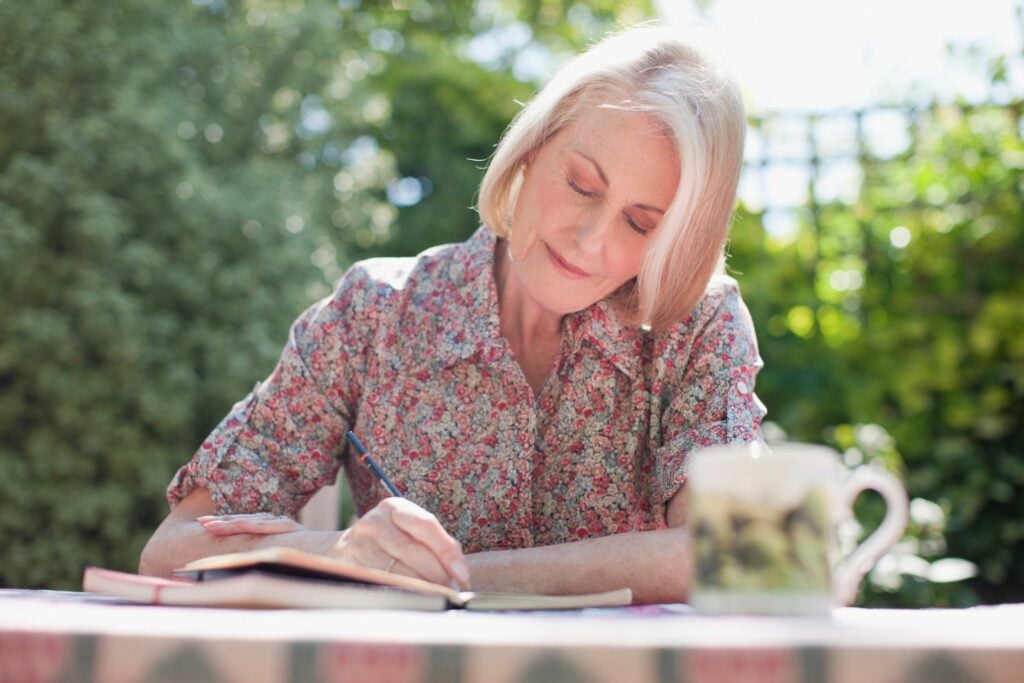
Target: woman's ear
x,y
527,158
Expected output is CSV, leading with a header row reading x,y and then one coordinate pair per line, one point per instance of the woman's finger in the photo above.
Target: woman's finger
x,y
416,559
244,524
237,516
231,528
424,527
403,569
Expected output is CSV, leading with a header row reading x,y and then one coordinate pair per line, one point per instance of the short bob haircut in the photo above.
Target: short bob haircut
x,y
700,108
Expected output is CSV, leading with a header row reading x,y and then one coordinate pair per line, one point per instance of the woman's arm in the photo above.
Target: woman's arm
x,y
396,529
180,538
657,565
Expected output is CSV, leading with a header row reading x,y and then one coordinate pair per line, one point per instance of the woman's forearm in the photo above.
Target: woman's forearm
x,y
656,565
181,539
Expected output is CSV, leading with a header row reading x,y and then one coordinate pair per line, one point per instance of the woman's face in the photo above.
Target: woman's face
x,y
591,198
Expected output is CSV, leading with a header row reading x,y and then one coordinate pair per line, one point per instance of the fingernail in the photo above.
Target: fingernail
x,y
461,571
205,518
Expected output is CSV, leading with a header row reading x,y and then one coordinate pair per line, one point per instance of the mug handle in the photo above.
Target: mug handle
x,y
849,573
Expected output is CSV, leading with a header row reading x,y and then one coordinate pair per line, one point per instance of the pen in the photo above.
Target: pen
x,y
364,457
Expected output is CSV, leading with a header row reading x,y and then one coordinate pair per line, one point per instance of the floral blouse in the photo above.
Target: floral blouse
x,y
408,353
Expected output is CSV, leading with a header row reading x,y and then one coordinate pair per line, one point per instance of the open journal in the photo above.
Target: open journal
x,y
286,578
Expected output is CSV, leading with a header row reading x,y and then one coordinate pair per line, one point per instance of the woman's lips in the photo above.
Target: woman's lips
x,y
568,269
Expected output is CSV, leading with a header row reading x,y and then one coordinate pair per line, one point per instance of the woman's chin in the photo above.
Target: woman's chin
x,y
561,295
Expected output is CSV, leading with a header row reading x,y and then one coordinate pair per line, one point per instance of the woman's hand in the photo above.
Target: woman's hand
x,y
397,536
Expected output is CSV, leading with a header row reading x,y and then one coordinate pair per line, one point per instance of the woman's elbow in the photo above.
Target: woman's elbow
x,y
149,559
161,554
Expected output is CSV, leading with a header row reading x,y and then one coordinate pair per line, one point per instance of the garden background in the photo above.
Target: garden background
x,y
179,180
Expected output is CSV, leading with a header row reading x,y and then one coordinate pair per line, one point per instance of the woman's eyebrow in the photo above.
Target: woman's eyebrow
x,y
597,166
604,179
647,207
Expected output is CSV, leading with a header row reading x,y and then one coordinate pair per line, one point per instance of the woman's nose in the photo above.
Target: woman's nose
x,y
593,229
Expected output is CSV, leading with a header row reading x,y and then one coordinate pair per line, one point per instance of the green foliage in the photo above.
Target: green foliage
x,y
448,151
130,259
928,343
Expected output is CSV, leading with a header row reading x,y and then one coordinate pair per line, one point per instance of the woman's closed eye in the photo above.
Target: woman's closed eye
x,y
579,190
636,226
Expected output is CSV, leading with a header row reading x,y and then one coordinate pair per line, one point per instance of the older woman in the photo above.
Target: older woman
x,y
535,391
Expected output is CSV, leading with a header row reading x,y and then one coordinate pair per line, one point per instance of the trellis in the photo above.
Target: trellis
x,y
797,162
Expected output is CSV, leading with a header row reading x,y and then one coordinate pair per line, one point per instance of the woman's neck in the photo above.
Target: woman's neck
x,y
521,316
533,333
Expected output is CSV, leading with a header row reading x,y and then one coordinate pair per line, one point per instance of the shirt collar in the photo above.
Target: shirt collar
x,y
601,326
474,291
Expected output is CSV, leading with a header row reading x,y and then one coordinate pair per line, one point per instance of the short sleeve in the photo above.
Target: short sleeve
x,y
284,441
713,401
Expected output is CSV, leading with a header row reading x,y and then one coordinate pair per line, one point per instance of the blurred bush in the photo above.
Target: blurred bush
x,y
148,273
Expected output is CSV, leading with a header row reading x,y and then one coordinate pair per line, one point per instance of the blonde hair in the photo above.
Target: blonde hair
x,y
695,100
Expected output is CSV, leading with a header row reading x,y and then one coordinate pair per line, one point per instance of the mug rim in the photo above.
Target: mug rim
x,y
808,455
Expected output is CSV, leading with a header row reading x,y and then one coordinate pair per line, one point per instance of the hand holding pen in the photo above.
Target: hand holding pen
x,y
396,535
425,542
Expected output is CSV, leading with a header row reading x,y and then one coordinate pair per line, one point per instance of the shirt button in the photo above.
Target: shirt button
x,y
743,388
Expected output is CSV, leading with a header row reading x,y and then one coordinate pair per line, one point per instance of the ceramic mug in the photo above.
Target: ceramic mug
x,y
764,525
